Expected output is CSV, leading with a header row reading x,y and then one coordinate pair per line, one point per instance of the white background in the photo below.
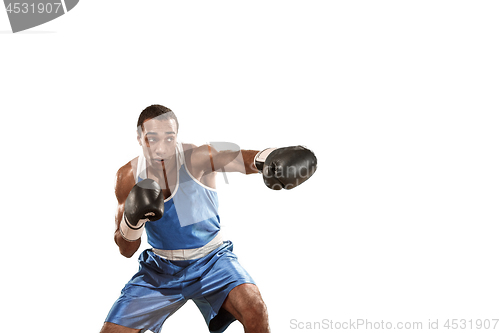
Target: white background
x,y
399,100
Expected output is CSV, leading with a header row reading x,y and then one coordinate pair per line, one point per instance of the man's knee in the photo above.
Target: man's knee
x,y
246,305
255,318
254,307
257,311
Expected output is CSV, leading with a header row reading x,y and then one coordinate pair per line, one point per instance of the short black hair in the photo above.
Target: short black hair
x,y
155,111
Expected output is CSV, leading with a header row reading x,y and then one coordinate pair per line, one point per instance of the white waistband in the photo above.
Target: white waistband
x,y
190,254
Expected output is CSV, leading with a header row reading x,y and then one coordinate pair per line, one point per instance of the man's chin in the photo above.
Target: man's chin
x,y
158,163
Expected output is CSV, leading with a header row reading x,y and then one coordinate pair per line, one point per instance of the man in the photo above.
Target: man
x,y
169,191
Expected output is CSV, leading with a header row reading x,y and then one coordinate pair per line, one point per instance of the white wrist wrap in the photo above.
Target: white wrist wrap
x,y
129,232
260,158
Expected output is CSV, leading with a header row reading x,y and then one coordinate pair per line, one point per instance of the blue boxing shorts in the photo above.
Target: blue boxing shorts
x,y
162,286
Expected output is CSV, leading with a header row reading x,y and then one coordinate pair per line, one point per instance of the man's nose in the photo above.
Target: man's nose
x,y
164,150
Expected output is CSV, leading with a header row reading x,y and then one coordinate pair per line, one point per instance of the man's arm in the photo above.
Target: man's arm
x,y
282,168
124,183
230,161
205,159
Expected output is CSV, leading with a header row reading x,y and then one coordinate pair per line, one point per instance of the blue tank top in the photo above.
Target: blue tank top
x,y
190,219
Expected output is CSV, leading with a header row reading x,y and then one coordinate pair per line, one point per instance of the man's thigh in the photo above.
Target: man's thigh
x,y
114,328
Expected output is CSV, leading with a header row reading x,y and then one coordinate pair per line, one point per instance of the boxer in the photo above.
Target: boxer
x,y
168,191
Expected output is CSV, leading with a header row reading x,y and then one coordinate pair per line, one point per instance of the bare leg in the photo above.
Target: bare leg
x,y
245,303
114,328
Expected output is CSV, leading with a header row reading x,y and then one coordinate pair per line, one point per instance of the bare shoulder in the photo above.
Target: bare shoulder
x,y
188,146
197,159
192,148
197,152
125,180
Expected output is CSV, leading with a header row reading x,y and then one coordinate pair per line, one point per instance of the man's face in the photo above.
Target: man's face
x,y
158,141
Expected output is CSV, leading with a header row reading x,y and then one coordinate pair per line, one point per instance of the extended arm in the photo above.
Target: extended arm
x,y
241,161
285,167
206,159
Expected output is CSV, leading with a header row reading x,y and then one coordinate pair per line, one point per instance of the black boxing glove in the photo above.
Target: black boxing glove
x,y
144,203
286,167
